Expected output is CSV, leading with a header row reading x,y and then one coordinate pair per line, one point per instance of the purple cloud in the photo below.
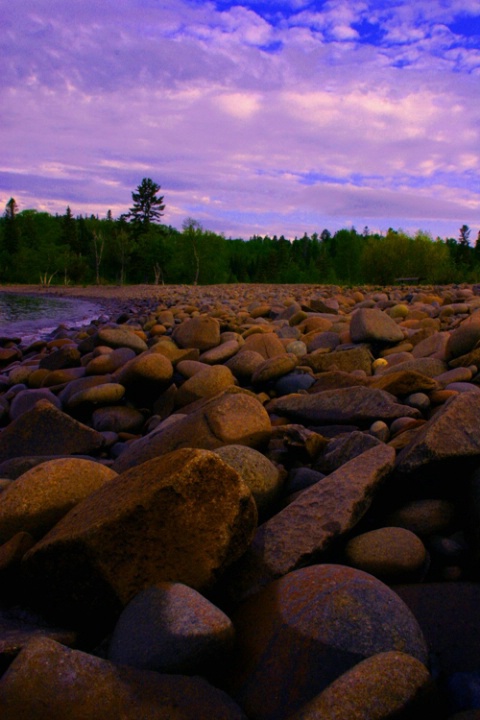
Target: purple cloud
x,y
279,117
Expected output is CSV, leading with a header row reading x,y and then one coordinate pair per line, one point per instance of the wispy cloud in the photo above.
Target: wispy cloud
x,y
274,117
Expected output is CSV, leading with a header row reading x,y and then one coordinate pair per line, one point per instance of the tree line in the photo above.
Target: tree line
x,y
37,247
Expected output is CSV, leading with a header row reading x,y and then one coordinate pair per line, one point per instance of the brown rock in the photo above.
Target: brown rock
x,y
452,433
373,325
274,367
344,405
386,685
230,418
267,344
48,681
146,377
300,533
201,332
46,430
392,554
357,358
43,495
120,337
182,517
65,357
404,382
302,632
209,381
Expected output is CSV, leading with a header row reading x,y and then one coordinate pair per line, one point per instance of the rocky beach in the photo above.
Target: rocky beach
x,y
243,501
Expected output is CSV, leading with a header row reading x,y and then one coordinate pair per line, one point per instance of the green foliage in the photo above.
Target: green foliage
x,y
39,247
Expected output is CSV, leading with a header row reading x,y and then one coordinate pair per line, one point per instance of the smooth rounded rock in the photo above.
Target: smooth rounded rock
x,y
261,475
392,554
302,632
172,628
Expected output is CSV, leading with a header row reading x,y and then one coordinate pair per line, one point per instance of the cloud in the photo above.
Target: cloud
x,y
284,114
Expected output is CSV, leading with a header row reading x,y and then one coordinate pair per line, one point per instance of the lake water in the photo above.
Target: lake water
x,y
33,317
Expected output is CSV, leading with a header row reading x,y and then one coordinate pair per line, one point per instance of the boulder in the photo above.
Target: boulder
x,y
182,517
229,418
201,332
373,325
40,497
171,628
388,685
304,530
48,681
305,630
46,430
344,405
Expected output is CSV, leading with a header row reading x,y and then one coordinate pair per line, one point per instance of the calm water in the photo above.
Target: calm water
x,y
32,317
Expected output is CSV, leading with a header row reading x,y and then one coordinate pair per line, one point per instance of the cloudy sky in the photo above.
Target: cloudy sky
x,y
268,116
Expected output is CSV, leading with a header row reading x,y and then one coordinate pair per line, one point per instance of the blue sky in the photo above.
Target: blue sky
x,y
254,117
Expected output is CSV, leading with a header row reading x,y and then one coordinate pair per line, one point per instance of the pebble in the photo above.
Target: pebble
x,y
344,430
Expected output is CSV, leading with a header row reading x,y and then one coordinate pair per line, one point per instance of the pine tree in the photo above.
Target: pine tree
x,y
147,206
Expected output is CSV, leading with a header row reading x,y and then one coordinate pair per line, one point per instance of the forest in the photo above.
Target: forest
x,y
40,248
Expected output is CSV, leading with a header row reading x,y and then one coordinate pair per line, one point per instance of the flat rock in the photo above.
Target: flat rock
x,y
302,632
304,530
452,433
404,382
227,419
46,430
171,628
373,325
181,517
344,405
48,681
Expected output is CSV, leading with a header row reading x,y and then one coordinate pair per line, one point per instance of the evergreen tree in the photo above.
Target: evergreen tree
x,y
147,206
12,232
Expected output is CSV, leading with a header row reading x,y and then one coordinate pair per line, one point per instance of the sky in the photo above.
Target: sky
x,y
254,117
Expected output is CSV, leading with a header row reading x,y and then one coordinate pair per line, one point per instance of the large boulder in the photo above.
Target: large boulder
x,y
303,631
232,417
181,517
48,681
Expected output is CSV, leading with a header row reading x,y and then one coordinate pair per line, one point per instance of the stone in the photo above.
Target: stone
x,y
261,475
109,362
305,630
344,405
404,382
182,517
293,382
171,628
244,364
145,377
267,344
120,337
342,449
27,399
429,366
40,497
103,394
304,530
206,383
18,628
464,339
201,332
220,353
392,554
46,430
117,418
387,685
451,434
424,517
48,681
373,325
227,419
274,368
64,357
344,360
